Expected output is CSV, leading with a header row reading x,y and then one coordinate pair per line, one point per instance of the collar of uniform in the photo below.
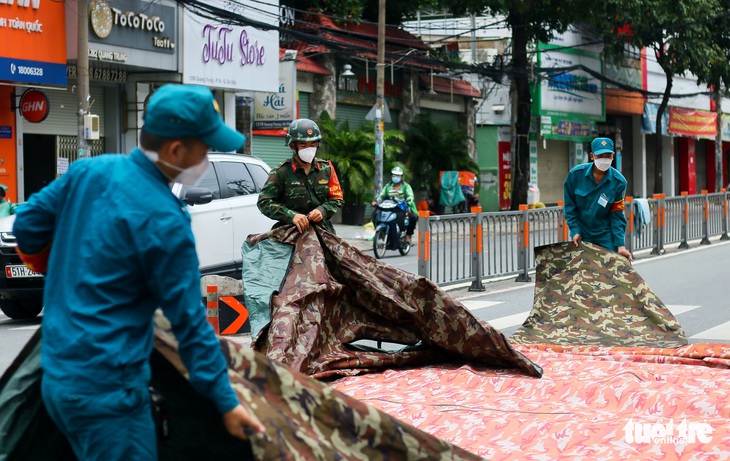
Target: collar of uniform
x,y
295,165
146,164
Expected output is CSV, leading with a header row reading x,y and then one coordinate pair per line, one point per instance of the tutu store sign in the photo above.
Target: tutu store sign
x,y
230,56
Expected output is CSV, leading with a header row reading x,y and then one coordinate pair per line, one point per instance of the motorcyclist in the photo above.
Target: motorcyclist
x,y
398,190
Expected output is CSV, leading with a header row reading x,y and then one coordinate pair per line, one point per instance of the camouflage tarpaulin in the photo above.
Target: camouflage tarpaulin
x,y
307,420
333,295
304,418
593,297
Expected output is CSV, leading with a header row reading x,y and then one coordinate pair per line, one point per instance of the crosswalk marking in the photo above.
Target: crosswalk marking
x,y
677,309
508,321
720,332
474,305
514,320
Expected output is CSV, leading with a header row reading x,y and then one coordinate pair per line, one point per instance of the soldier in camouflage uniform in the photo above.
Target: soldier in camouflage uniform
x,y
302,189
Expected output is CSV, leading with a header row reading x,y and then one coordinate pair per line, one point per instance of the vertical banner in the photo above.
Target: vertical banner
x,y
577,154
8,159
504,149
533,158
725,127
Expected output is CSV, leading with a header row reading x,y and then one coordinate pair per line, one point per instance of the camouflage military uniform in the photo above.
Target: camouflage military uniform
x,y
288,191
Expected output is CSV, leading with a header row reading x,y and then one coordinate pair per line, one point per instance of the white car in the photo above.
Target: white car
x,y
223,210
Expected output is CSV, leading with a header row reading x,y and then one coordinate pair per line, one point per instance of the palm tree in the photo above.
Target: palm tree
x,y
353,154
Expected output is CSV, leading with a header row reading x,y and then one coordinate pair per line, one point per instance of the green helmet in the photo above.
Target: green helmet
x,y
397,171
304,130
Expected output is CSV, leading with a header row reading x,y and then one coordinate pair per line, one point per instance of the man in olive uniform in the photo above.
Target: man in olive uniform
x,y
594,200
302,189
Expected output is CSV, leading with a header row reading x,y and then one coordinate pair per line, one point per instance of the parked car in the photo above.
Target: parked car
x,y
223,211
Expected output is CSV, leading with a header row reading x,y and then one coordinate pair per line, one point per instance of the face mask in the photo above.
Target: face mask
x,y
307,154
395,179
188,177
603,164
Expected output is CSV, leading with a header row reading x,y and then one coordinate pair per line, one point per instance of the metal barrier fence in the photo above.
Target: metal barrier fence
x,y
477,246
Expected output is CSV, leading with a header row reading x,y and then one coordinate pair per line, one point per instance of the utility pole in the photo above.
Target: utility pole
x,y
719,179
82,75
380,99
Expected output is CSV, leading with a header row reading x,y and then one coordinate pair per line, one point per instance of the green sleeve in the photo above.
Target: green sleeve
x,y
269,203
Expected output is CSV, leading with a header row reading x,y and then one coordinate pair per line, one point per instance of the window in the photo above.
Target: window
x,y
237,178
259,175
209,180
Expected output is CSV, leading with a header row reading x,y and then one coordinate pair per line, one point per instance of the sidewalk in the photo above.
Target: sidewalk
x,y
354,235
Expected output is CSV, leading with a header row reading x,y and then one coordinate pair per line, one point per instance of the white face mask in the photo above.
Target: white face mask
x,y
188,177
307,154
603,164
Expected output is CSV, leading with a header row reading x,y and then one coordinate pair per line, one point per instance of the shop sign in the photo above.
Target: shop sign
x,y
6,132
568,91
100,74
691,122
33,37
229,56
139,24
573,129
34,106
277,110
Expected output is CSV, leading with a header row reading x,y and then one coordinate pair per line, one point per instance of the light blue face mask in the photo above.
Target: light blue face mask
x,y
395,179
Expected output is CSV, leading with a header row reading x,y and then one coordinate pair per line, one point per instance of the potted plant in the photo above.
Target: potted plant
x,y
352,153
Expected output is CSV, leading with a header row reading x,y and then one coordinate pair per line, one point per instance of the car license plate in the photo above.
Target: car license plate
x,y
19,272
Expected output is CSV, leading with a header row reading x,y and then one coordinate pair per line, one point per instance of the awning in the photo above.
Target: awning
x,y
306,64
450,86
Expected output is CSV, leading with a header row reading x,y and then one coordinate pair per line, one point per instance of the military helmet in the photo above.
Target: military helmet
x,y
304,130
397,171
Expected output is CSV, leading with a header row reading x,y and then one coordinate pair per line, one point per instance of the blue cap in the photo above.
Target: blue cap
x,y
190,111
602,146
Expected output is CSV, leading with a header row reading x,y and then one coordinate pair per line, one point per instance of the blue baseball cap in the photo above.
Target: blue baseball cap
x,y
190,111
602,146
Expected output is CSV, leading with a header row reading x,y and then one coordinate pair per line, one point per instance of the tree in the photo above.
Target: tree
x,y
679,33
531,21
351,152
429,149
718,76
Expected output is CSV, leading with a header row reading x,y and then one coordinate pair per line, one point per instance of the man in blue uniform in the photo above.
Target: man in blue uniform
x,y
109,263
594,200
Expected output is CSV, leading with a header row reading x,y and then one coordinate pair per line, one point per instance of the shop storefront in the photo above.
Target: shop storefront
x,y
32,59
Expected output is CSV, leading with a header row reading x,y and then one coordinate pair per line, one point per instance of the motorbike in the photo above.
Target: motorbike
x,y
388,233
